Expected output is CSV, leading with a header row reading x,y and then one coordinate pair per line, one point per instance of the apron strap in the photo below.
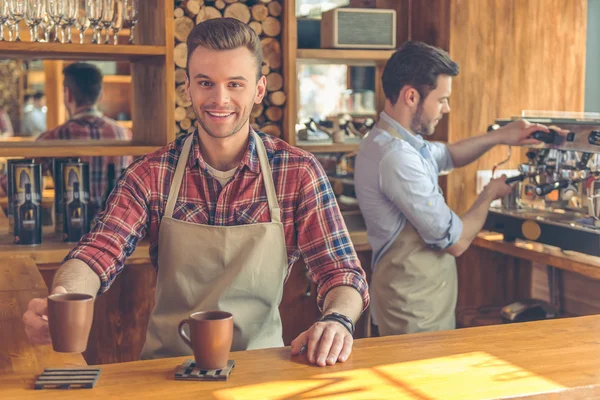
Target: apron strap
x,y
384,126
178,177
264,167
268,179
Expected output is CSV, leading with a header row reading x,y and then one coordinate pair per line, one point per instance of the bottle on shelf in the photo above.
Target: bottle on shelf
x,y
28,229
77,221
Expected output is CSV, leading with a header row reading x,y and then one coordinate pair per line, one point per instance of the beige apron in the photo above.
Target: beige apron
x,y
413,288
238,269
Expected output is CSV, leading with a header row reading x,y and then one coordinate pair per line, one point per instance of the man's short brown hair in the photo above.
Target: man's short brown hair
x,y
224,34
416,64
84,81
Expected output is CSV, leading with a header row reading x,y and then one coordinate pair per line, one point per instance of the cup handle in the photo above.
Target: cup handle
x,y
183,335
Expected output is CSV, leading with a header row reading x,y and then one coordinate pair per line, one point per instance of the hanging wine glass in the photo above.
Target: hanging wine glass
x,y
46,26
17,10
131,17
117,20
93,9
33,17
108,12
55,10
4,14
81,22
71,11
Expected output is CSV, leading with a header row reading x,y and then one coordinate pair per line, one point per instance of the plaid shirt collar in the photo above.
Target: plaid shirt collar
x,y
250,158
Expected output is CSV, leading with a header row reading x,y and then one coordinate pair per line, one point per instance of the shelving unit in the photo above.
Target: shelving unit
x,y
293,56
117,79
329,148
354,57
151,80
67,148
76,51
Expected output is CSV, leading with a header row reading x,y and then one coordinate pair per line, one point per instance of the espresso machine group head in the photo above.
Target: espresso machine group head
x,y
556,196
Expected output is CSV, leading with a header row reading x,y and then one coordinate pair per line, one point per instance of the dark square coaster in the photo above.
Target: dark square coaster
x,y
188,372
68,378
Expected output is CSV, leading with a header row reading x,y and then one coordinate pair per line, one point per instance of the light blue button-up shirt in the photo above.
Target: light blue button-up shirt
x,y
397,180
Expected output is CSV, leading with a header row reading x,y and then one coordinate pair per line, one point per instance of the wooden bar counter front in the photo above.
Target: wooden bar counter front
x,y
539,360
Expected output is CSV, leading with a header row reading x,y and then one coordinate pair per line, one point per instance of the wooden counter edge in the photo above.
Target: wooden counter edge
x,y
569,261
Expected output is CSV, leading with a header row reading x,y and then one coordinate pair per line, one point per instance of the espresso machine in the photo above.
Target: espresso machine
x,y
556,197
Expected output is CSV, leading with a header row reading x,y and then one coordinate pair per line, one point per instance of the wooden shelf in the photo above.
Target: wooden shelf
x,y
329,148
76,51
39,77
116,79
357,57
66,148
53,250
125,124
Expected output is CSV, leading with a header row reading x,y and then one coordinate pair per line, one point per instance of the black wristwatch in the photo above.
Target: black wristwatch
x,y
342,319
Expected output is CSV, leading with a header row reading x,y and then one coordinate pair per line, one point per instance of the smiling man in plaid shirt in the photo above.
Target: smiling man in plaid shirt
x,y
228,211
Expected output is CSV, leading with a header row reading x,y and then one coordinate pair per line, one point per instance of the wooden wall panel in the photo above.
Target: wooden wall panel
x,y
490,278
115,99
513,55
506,51
581,295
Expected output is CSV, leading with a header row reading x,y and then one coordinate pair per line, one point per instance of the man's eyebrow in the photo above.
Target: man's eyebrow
x,y
201,76
231,78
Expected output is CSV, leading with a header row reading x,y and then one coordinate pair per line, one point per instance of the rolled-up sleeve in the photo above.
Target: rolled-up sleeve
x,y
441,155
405,182
323,238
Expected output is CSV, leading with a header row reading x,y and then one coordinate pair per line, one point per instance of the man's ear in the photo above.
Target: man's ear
x,y
261,90
187,85
411,96
68,95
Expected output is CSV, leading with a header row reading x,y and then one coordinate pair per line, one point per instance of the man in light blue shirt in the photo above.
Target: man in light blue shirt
x,y
414,234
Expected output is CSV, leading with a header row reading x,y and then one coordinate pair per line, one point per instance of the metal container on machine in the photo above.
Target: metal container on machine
x,y
27,194
57,174
9,173
76,198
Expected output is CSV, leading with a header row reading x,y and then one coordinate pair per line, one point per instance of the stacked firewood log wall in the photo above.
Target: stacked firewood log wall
x,y
265,18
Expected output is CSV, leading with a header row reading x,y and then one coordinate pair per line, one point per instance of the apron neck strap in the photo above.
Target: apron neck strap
x,y
264,168
178,177
384,126
267,178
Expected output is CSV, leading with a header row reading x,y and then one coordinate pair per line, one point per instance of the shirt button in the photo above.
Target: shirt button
x,y
429,203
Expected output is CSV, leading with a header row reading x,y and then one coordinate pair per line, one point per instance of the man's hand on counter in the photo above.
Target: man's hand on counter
x,y
326,342
35,319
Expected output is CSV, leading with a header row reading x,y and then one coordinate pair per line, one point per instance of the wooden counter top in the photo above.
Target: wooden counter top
x,y
53,250
20,281
516,361
550,255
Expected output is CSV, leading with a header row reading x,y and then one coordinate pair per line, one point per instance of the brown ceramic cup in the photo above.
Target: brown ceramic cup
x,y
211,335
70,318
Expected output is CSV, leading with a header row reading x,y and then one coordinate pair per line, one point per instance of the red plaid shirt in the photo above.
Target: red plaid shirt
x,y
94,126
312,221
